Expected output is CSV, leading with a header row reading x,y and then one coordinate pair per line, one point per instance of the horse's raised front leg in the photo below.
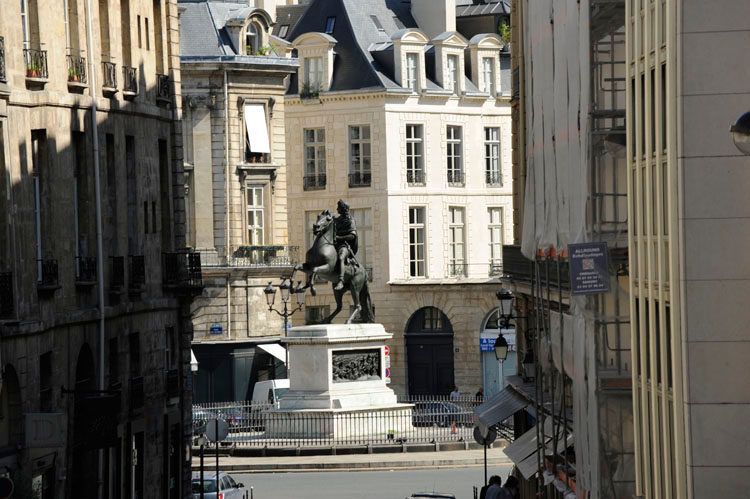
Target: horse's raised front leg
x,y
338,295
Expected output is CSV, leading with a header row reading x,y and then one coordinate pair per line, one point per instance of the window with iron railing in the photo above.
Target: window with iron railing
x,y
495,238
162,86
363,221
109,75
359,156
130,80
417,242
414,155
315,159
48,273
76,69
36,63
454,148
457,248
86,269
492,156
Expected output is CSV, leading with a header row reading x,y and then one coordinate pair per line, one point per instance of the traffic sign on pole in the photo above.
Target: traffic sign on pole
x,y
387,350
217,431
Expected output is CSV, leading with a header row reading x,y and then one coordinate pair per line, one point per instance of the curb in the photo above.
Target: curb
x,y
306,467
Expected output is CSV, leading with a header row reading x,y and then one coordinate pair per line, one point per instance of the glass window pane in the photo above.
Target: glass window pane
x,y
321,134
365,132
354,132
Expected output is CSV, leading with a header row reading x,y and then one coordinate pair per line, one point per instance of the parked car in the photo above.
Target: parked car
x,y
441,414
223,488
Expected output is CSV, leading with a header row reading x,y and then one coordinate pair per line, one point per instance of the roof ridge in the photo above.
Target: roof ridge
x,y
213,24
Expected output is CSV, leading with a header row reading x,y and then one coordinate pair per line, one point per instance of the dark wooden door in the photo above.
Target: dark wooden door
x,y
429,353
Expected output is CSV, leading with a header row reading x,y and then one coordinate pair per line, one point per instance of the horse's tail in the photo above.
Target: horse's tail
x,y
367,314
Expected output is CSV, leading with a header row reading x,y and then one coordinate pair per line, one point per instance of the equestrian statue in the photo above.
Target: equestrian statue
x,y
333,257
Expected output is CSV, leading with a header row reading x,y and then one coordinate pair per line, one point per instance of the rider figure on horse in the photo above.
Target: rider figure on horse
x,y
346,241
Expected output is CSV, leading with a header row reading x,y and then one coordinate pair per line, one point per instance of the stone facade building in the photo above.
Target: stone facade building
x,y
234,83
398,113
94,293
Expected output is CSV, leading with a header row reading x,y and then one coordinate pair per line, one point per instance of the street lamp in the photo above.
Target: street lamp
x,y
505,311
287,289
741,133
501,347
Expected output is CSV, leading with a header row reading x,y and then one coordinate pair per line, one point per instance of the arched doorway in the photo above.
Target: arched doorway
x,y
84,460
429,352
494,372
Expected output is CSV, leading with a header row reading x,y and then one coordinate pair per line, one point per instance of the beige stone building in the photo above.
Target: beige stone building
x,y
94,341
407,120
234,83
688,212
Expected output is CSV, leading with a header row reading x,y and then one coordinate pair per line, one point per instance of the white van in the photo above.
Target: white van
x,y
270,391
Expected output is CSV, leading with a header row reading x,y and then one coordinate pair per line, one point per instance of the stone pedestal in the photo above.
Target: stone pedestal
x,y
337,376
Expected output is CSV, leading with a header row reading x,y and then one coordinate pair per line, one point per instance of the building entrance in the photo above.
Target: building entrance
x,y
429,352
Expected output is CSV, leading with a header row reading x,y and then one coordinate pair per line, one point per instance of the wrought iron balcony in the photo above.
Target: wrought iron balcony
x,y
3,76
458,269
456,177
262,256
117,275
162,87
183,272
360,179
76,69
173,383
86,270
47,279
493,178
496,268
415,177
109,75
36,63
520,269
129,80
6,294
314,182
136,272
136,393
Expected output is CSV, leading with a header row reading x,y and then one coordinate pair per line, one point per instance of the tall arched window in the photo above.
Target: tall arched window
x,y
252,38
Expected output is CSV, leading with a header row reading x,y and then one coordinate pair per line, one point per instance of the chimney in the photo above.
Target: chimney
x,y
434,16
269,6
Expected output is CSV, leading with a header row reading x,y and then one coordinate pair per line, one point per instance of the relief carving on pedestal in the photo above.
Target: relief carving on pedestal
x,y
356,365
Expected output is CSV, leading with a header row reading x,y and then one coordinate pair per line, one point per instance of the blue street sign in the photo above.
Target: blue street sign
x,y
216,329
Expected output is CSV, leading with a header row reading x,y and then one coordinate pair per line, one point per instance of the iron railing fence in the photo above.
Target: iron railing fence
x,y
314,182
76,69
36,63
456,177
457,269
493,178
162,86
415,177
86,269
6,294
130,79
426,419
109,75
3,76
360,179
48,273
253,257
183,269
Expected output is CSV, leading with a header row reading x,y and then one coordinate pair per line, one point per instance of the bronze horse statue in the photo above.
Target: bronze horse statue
x,y
322,260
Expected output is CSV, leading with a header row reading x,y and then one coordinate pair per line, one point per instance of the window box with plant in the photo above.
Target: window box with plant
x,y
310,91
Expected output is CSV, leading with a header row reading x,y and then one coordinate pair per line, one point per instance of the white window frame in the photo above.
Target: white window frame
x,y
451,73
412,71
492,168
417,264
363,221
454,154
316,147
415,153
488,74
314,73
360,156
252,39
457,241
258,214
257,136
495,236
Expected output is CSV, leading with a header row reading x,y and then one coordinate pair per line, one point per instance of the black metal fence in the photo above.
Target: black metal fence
x,y
183,269
314,182
493,178
109,75
130,79
49,273
36,63
162,86
427,419
456,177
415,177
76,69
85,269
360,179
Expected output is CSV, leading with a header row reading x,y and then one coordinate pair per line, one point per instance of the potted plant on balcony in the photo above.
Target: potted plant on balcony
x,y
32,70
309,91
73,75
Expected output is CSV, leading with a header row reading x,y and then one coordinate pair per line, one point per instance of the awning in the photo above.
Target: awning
x,y
523,450
193,361
257,129
500,407
274,349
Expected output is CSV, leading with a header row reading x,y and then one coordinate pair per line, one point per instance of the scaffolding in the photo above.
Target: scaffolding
x,y
580,344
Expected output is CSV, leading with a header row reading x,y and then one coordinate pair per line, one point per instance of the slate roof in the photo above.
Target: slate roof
x,y
470,8
288,15
202,24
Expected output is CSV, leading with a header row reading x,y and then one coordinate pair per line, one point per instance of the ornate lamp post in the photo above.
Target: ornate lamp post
x,y
287,289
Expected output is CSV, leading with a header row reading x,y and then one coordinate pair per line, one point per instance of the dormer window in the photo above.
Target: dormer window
x,y
452,80
412,71
314,72
488,75
330,23
251,39
283,30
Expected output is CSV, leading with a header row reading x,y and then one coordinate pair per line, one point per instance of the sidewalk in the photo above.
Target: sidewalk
x,y
354,462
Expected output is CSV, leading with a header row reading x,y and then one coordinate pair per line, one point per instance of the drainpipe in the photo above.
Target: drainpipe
x,y
99,244
227,203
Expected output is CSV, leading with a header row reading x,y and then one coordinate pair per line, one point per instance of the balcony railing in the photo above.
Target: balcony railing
x,y
36,63
455,177
129,80
85,270
314,182
162,86
3,76
496,268
519,268
263,256
457,269
6,294
136,272
360,179
76,69
415,177
183,270
173,383
493,178
109,75
136,393
117,277
48,278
